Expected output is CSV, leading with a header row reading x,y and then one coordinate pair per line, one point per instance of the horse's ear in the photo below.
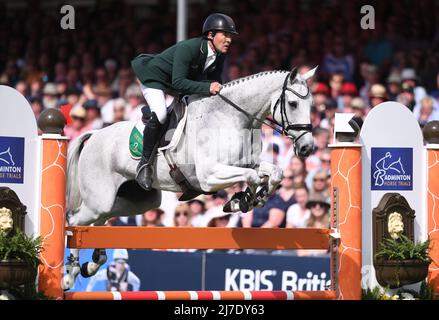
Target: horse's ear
x,y
309,74
293,74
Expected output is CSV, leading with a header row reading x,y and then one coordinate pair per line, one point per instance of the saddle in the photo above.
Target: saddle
x,y
171,131
169,138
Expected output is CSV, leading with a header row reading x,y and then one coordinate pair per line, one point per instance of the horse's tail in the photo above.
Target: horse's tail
x,y
72,189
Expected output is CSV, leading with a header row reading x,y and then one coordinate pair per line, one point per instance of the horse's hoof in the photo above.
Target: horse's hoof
x,y
67,282
244,205
99,256
89,269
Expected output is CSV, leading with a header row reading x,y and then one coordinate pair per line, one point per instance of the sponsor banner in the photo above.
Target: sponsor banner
x,y
392,169
256,272
11,160
168,271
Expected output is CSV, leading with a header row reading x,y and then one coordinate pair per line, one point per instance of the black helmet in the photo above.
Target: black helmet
x,y
219,22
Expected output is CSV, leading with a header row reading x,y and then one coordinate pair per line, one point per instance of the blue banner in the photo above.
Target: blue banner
x,y
168,271
11,160
392,169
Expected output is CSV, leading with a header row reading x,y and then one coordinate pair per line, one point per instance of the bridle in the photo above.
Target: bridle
x,y
283,112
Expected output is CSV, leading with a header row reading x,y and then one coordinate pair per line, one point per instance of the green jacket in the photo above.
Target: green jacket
x,y
179,69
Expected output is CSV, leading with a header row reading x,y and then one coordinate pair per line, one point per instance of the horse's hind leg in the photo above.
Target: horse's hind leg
x,y
84,216
99,258
72,270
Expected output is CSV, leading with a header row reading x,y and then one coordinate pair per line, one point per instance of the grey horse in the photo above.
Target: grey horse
x,y
220,146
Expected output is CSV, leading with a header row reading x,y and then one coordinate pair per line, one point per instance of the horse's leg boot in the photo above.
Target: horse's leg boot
x,y
145,170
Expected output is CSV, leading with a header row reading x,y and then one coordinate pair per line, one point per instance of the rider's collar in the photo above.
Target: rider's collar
x,y
210,52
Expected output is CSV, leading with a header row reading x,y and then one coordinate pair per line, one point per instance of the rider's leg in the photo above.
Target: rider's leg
x,y
157,103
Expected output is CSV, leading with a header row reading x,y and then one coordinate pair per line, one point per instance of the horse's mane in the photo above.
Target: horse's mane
x,y
253,76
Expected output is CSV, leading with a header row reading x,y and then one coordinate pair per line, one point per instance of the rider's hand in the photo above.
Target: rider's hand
x,y
215,88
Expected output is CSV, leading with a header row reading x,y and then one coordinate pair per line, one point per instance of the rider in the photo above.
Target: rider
x,y
188,67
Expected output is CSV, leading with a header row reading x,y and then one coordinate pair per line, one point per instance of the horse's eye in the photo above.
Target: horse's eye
x,y
293,104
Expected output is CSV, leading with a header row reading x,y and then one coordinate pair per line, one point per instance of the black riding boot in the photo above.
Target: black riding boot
x,y
145,167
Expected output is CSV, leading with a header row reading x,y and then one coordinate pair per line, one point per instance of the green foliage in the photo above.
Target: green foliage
x,y
21,247
426,292
403,248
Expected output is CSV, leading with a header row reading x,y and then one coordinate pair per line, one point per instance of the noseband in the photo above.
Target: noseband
x,y
283,112
284,117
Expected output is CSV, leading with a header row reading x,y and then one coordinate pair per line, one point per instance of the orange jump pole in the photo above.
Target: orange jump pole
x,y
433,213
346,204
203,295
197,238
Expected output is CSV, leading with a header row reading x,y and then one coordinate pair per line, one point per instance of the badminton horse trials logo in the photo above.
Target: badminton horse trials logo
x,y
11,160
392,169
6,157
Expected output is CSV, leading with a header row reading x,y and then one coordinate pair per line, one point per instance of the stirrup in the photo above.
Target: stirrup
x,y
144,179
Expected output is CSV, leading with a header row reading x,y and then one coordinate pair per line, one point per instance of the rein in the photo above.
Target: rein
x,y
284,118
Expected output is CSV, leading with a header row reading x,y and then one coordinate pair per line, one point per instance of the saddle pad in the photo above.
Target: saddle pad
x,y
136,137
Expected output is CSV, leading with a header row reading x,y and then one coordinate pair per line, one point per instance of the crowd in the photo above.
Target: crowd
x,y
86,73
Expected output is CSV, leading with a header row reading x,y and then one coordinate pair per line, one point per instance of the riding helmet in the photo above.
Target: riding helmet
x,y
219,22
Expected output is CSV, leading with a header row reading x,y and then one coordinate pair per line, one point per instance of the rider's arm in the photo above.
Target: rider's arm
x,y
180,72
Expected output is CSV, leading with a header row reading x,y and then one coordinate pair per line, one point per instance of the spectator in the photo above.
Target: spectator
x,y
320,95
271,215
319,218
377,95
349,91
393,86
408,76
371,77
359,107
336,84
37,106
330,110
119,110
298,169
135,98
197,209
407,96
103,94
93,119
182,217
286,190
319,205
50,96
219,219
321,140
117,275
338,61
320,183
152,218
22,87
298,213
378,50
427,110
77,126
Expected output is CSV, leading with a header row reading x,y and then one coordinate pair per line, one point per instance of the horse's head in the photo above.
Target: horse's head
x,y
292,111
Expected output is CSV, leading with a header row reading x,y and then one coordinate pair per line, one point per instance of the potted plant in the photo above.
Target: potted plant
x,y
401,261
19,260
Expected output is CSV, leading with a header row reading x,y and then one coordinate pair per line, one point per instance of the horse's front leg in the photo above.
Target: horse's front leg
x,y
274,174
220,176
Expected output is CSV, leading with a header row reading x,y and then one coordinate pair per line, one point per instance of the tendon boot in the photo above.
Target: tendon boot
x,y
145,170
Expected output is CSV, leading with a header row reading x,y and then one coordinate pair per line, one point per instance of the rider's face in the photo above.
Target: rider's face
x,y
222,41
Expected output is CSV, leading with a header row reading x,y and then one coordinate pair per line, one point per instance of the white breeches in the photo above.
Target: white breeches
x,y
156,100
